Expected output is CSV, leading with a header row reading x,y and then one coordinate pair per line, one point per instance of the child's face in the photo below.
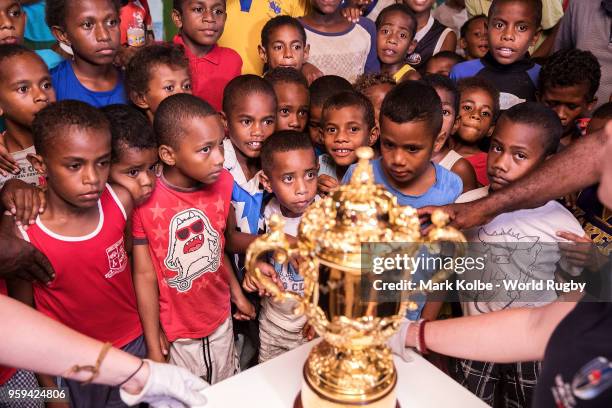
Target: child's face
x,y
77,165
250,122
419,6
292,108
394,38
568,102
476,42
314,124
449,116
406,150
25,88
285,49
344,131
326,6
12,22
440,66
165,81
199,156
376,94
135,171
512,31
92,30
476,115
201,21
293,180
516,149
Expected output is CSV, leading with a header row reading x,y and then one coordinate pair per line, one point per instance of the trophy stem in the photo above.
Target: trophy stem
x,y
339,377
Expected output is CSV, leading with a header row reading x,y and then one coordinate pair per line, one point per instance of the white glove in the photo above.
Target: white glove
x,y
397,342
168,386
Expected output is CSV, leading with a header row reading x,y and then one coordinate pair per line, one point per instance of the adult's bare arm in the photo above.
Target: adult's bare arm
x,y
575,168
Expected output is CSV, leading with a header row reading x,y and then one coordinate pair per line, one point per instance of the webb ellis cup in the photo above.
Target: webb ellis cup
x,y
352,366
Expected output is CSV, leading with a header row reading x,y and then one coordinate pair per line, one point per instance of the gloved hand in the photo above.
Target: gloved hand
x,y
397,342
168,386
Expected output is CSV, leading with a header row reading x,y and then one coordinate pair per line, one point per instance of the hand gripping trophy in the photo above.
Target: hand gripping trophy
x,y
339,234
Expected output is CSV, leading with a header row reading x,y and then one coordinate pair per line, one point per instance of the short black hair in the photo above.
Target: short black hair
x,y
448,54
175,110
366,81
571,67
536,7
283,141
438,81
279,21
413,101
540,117
286,75
402,8
326,86
466,26
139,69
483,84
243,86
129,128
11,50
352,99
56,10
603,112
51,121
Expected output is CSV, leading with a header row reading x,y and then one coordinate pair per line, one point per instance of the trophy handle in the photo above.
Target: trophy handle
x,y
441,232
274,241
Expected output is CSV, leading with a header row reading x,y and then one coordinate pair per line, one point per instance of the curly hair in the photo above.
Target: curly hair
x,y
286,75
245,85
366,81
52,120
138,70
279,21
129,128
351,99
56,10
571,67
413,101
484,85
174,111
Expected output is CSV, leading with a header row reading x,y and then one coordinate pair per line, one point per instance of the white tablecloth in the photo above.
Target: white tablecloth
x,y
275,384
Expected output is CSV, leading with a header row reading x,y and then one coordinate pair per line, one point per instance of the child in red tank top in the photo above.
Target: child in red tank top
x,y
81,233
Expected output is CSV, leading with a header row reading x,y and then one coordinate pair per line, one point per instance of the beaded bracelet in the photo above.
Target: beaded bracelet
x,y
420,343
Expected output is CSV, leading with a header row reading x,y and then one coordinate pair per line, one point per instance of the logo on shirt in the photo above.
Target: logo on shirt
x,y
414,58
274,6
194,248
117,258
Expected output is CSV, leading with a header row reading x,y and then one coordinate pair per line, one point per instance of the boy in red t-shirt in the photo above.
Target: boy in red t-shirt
x,y
212,67
182,278
81,233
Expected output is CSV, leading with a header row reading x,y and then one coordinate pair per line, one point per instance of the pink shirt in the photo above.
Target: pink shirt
x,y
212,72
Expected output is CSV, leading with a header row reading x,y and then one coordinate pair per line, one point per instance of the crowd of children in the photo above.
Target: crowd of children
x,y
145,169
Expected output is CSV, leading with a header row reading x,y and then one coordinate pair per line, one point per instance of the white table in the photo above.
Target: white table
x,y
275,384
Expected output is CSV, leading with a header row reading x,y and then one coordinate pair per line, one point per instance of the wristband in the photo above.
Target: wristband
x,y
420,343
131,375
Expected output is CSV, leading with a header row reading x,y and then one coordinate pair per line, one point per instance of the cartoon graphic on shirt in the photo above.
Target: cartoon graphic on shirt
x,y
508,256
194,248
117,258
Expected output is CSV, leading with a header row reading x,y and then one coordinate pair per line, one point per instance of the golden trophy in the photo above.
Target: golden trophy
x,y
352,366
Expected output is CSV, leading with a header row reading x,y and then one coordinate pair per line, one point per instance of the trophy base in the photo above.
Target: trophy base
x,y
298,403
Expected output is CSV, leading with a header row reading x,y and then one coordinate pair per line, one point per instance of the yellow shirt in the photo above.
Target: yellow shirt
x,y
552,11
402,71
244,23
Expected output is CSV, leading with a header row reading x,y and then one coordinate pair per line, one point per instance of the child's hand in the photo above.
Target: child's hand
x,y
250,285
7,162
352,14
580,252
326,184
164,344
309,332
23,201
311,72
246,310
